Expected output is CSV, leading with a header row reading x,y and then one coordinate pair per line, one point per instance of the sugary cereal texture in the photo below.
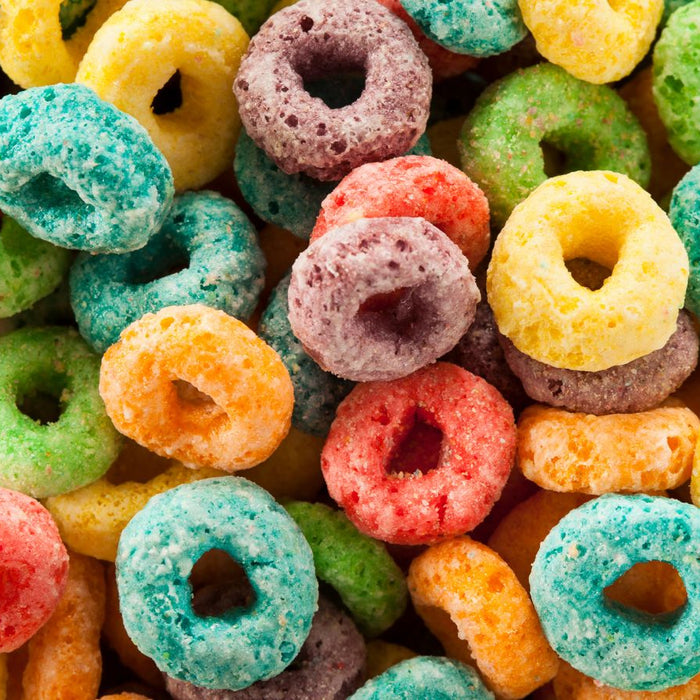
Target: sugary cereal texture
x,y
302,133
197,385
592,39
156,554
77,172
676,83
631,452
609,219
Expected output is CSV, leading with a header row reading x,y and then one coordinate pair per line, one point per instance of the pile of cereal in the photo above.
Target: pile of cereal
x,y
348,349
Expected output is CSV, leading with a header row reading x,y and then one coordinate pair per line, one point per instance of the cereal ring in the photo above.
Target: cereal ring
x,y
303,134
377,299
42,41
365,576
609,219
425,676
588,550
676,85
250,13
496,622
482,28
316,393
591,39
33,569
684,214
330,664
136,53
224,269
64,655
248,404
65,452
563,451
639,385
29,269
157,551
412,186
501,140
443,493
101,183
670,6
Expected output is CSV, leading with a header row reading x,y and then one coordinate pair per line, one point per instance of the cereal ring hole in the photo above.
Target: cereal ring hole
x,y
169,97
43,405
220,585
418,451
555,160
401,313
588,273
189,394
73,14
171,260
336,91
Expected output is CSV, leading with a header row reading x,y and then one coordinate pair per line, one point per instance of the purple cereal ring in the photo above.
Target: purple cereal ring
x,y
637,386
315,39
329,666
377,299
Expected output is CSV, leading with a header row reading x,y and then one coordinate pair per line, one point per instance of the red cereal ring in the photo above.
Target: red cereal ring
x,y
33,568
412,186
394,492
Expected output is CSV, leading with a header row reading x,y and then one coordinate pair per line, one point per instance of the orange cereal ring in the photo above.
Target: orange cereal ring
x,y
620,452
35,46
144,50
237,409
473,603
64,655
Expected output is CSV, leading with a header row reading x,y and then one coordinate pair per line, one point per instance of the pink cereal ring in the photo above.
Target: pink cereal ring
x,y
412,186
33,568
395,492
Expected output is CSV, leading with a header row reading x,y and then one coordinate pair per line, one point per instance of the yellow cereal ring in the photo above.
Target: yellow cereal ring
x,y
140,48
64,655
473,603
695,476
619,452
33,51
594,40
381,656
195,384
609,219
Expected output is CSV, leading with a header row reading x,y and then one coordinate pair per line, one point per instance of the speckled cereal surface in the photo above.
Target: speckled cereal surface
x,y
500,142
474,27
676,82
156,554
224,270
588,550
425,676
302,133
317,393
77,172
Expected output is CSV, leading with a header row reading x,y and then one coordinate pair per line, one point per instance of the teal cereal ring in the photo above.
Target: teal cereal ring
x,y
74,450
676,82
501,141
588,550
360,569
206,232
434,677
79,173
317,393
156,553
684,214
30,269
473,27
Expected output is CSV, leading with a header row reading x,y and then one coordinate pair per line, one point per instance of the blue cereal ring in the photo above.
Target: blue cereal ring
x,y
434,677
157,551
209,233
684,213
473,27
591,548
317,393
79,173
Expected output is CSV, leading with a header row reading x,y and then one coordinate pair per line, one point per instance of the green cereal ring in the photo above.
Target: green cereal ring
x,y
501,141
79,173
677,81
359,568
250,13
53,458
30,269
